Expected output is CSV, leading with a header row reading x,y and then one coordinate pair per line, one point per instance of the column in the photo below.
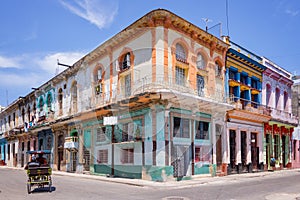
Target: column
x,y
260,143
238,146
226,82
213,140
259,96
227,146
80,151
249,159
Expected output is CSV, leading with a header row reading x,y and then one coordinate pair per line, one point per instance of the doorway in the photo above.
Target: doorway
x,y
232,148
284,151
60,158
86,156
182,159
219,146
244,150
73,161
254,151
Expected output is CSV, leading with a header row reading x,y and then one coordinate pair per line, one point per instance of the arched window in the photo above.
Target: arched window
x,y
41,103
277,92
201,64
268,94
286,97
23,115
34,112
28,114
60,100
49,100
180,53
74,96
98,74
98,79
218,69
126,61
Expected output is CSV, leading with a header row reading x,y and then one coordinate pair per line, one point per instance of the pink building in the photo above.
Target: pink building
x,y
277,96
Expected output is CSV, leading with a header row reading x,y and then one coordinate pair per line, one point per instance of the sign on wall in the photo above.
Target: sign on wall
x,y
113,120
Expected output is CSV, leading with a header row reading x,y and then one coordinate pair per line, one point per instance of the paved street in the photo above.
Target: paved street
x,y
268,185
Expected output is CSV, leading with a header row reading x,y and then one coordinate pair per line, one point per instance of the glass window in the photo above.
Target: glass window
x,y
200,85
218,70
277,97
268,95
286,97
99,74
244,79
49,100
102,156
128,85
41,104
101,136
180,53
181,127
126,61
60,100
254,84
127,156
74,97
200,62
232,75
202,130
180,76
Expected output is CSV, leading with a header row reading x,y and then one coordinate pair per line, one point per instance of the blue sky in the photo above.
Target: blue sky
x,y
35,33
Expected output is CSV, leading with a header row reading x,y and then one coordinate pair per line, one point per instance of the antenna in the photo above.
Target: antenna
x,y
206,20
58,63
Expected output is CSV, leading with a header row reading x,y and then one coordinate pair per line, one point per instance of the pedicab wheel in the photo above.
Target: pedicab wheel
x,y
28,188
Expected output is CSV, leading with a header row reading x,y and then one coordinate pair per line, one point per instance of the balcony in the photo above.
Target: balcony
x,y
145,88
283,116
251,106
71,143
233,83
249,111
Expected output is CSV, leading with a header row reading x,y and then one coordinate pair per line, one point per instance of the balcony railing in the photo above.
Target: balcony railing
x,y
71,143
283,115
161,84
248,105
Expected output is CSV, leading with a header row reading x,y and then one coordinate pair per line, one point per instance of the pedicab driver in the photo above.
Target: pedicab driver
x,y
42,160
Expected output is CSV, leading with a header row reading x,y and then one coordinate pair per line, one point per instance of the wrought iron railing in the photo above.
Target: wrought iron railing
x,y
161,84
252,106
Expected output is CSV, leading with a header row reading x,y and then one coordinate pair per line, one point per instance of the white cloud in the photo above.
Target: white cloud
x,y
98,12
24,80
293,13
49,62
33,70
10,62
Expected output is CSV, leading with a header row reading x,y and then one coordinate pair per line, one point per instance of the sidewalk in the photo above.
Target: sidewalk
x,y
195,180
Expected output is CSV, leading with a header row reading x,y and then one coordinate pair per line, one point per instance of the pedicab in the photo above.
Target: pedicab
x,y
38,170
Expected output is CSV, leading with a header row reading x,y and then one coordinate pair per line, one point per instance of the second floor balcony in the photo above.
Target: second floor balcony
x,y
283,116
248,105
161,84
71,143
